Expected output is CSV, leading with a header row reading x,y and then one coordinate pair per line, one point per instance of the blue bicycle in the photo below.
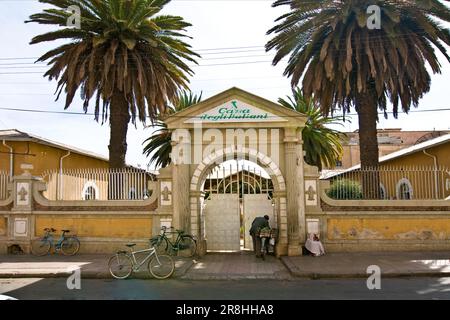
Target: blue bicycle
x,y
68,245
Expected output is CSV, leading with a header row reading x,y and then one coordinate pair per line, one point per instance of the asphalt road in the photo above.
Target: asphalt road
x,y
56,288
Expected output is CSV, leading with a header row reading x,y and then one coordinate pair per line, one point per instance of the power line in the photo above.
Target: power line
x,y
92,114
280,77
196,50
378,37
172,1
24,65
191,66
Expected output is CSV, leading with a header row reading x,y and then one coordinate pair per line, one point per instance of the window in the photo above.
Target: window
x,y
90,191
90,194
404,189
338,163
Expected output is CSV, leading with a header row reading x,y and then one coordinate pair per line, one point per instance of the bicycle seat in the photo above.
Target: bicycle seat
x,y
130,245
179,231
65,230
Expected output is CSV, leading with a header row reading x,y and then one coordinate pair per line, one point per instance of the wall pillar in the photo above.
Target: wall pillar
x,y
181,208
198,221
279,199
21,226
300,174
292,147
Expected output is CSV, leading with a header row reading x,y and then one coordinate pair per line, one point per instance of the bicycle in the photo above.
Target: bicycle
x,y
185,245
124,263
68,245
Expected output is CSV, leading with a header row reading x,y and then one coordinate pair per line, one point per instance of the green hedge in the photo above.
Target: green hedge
x,y
345,189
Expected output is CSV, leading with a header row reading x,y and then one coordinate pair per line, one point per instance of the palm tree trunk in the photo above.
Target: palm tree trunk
x,y
119,118
368,146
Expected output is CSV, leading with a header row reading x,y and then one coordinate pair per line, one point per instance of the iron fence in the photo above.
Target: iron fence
x,y
4,181
391,183
97,184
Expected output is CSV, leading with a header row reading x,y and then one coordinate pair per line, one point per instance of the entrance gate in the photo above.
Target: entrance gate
x,y
235,193
236,124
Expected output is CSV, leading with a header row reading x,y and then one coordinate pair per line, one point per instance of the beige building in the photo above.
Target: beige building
x,y
389,140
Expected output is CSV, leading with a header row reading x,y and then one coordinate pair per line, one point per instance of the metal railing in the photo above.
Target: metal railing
x,y
237,178
97,184
391,183
4,181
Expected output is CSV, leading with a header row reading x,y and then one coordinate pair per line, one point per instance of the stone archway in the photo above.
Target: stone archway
x,y
254,117
197,225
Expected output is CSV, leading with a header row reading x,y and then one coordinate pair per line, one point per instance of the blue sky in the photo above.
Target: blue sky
x,y
216,25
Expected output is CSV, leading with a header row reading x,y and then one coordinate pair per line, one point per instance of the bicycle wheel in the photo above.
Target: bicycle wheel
x,y
70,246
120,266
161,266
187,247
162,246
40,247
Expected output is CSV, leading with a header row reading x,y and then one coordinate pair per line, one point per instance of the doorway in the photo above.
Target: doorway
x,y
236,191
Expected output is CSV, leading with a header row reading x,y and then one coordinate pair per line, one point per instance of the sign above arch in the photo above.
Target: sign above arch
x,y
236,108
235,111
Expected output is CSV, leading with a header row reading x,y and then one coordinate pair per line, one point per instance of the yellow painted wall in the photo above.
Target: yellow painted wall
x,y
3,226
388,228
97,226
47,158
423,184
442,152
351,156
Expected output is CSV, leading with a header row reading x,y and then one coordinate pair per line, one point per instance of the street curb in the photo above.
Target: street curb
x,y
178,273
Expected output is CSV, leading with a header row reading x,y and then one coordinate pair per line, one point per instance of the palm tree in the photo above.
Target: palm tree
x,y
345,63
130,58
322,145
158,146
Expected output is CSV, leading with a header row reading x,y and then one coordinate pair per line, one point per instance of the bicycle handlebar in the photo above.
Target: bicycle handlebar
x,y
50,229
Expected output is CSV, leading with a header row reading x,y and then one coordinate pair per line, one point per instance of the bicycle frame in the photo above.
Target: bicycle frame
x,y
137,265
49,237
177,240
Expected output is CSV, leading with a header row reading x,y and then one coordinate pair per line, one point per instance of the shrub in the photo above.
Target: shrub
x,y
345,189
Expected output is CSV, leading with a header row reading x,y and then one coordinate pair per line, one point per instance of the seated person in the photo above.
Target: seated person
x,y
314,246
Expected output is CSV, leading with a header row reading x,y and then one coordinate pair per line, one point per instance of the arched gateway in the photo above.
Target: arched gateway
x,y
235,125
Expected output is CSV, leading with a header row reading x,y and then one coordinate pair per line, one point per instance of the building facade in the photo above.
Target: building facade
x,y
389,141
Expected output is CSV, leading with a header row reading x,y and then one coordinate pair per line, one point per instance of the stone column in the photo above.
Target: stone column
x,y
181,160
301,190
181,208
197,221
279,199
291,146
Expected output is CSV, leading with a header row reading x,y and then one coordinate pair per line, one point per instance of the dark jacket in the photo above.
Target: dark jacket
x,y
258,224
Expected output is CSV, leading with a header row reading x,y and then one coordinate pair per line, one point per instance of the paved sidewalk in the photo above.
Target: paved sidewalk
x,y
236,266
92,266
354,264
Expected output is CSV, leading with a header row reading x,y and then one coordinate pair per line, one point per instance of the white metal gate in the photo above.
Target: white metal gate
x,y
256,205
235,195
222,222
